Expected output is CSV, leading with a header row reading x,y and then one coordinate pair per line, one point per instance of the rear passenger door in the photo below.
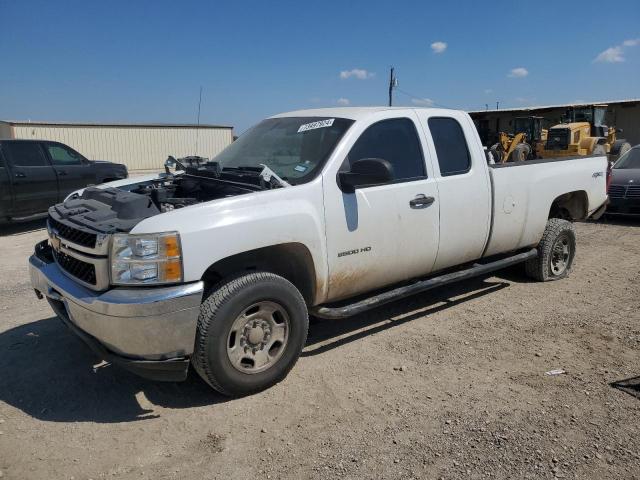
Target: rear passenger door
x,y
72,169
463,184
382,234
35,186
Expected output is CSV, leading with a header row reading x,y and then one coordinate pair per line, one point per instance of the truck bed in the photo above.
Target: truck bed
x,y
522,189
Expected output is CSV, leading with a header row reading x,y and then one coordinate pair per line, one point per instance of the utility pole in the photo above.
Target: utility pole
x,y
497,105
393,82
198,129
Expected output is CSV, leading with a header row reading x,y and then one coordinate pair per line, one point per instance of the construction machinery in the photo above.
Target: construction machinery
x,y
583,132
524,144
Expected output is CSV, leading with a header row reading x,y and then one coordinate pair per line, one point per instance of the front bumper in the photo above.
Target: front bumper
x,y
624,206
150,331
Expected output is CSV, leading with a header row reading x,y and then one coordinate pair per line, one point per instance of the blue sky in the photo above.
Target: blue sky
x,y
138,61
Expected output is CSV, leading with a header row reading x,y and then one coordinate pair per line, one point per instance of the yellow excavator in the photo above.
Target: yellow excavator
x,y
524,144
583,132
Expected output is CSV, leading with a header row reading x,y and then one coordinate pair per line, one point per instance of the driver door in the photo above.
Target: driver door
x,y
380,235
72,169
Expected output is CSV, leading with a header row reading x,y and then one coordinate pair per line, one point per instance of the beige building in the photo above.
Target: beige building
x,y
139,146
624,114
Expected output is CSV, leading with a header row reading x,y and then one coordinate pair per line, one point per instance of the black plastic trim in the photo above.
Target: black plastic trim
x,y
328,311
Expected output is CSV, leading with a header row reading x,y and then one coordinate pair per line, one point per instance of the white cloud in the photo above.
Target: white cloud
x,y
343,101
518,72
615,54
610,55
438,47
358,73
422,102
487,91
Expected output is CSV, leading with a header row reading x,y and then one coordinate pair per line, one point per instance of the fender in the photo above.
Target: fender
x,y
213,231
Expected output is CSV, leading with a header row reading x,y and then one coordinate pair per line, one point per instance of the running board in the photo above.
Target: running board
x,y
421,286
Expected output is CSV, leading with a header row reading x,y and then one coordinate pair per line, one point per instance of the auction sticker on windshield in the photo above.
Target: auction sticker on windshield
x,y
314,125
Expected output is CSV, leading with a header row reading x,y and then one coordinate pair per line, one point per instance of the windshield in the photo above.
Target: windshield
x,y
295,148
629,160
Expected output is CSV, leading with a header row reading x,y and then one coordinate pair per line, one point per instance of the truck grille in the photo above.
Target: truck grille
x,y
73,235
558,139
81,270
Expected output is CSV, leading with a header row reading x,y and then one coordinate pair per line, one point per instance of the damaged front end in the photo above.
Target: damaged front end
x,y
80,229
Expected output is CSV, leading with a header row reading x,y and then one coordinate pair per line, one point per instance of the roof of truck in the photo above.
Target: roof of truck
x,y
353,113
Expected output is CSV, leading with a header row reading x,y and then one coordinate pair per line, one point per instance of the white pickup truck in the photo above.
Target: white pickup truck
x,y
328,212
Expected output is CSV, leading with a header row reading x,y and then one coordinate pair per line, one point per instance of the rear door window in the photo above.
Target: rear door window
x,y
396,141
25,154
451,146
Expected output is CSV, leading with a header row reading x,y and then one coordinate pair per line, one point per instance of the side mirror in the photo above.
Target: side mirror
x,y
365,172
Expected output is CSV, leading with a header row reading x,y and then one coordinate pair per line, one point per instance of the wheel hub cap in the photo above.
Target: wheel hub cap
x,y
258,337
560,255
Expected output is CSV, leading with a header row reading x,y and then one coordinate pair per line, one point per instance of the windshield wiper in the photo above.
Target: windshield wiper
x,y
270,177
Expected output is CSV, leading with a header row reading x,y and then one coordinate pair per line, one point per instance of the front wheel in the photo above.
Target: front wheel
x,y
251,331
556,252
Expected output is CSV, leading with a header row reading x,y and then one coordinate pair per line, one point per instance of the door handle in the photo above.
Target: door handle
x,y
20,175
62,173
421,201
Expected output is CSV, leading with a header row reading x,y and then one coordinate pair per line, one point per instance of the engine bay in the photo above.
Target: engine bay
x,y
110,210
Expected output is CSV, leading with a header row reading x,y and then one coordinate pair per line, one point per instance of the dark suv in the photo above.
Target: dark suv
x,y
35,174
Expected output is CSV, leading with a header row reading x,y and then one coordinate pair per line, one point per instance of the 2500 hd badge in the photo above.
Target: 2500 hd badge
x,y
353,252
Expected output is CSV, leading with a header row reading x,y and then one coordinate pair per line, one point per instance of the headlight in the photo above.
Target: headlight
x,y
152,258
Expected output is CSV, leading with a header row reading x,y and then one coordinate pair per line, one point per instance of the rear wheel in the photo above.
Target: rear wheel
x,y
250,333
556,252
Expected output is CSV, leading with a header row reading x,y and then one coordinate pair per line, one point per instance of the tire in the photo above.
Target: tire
x,y
558,242
496,152
520,152
624,148
599,150
238,329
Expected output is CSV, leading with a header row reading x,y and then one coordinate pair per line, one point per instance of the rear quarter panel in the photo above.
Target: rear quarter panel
x,y
524,193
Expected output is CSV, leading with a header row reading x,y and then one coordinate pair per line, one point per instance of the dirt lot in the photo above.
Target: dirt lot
x,y
446,385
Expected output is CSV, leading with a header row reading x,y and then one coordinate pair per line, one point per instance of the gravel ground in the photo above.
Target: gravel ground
x,y
450,384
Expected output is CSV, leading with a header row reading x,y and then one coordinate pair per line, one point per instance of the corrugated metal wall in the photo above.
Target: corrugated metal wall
x,y
138,147
5,131
627,117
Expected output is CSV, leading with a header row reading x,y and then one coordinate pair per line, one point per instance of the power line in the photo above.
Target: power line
x,y
416,97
